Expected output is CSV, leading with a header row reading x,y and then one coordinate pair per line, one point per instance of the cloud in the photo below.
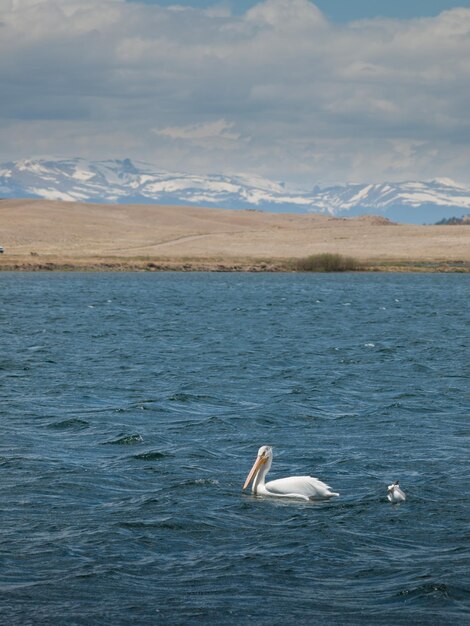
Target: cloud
x,y
209,134
278,91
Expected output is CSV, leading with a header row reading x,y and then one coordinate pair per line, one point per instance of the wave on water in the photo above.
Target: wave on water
x,y
125,440
73,423
127,435
152,455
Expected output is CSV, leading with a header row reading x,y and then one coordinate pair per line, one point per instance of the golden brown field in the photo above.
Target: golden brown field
x,y
41,234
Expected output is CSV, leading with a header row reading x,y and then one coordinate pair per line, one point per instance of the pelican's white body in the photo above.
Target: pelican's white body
x,y
395,494
299,487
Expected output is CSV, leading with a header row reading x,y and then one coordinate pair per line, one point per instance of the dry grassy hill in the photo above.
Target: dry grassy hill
x,y
79,232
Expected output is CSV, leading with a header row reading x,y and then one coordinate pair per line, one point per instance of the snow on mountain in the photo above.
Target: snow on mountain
x,y
407,201
134,181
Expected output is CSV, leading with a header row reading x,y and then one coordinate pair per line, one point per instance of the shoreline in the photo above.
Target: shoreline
x,y
51,263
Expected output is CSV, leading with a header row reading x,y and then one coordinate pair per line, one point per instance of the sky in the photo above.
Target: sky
x,y
340,10
309,93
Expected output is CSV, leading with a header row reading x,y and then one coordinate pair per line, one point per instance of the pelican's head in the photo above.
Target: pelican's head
x,y
393,485
265,455
265,451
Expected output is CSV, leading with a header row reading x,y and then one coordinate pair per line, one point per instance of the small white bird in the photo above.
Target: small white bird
x,y
300,487
395,494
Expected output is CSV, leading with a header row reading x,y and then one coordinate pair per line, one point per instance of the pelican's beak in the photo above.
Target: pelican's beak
x,y
257,464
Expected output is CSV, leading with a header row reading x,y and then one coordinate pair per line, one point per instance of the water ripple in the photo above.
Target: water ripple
x,y
128,430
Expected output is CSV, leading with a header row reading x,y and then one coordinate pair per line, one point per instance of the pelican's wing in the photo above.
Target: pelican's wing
x,y
305,486
401,493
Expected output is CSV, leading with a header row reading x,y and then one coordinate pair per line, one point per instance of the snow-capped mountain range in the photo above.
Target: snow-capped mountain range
x,y
120,181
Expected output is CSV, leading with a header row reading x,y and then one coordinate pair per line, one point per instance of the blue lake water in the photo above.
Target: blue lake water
x,y
132,407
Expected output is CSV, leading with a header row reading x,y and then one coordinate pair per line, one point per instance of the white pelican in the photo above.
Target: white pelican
x,y
395,494
300,487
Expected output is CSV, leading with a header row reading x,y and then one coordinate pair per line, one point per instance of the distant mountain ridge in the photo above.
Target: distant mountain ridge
x,y
126,181
410,201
